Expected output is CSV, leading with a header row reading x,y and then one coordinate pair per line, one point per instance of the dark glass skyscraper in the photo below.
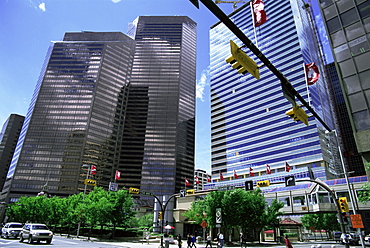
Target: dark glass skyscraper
x,y
348,26
159,132
116,102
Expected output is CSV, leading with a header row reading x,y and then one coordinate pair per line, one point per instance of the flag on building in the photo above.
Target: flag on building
x,y
208,178
259,13
118,175
93,170
268,169
187,182
287,167
312,73
235,175
221,176
251,173
197,180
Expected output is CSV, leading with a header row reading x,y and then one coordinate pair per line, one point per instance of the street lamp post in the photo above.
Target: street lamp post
x,y
350,191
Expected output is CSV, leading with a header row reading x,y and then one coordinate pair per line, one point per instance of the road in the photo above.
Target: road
x,y
62,242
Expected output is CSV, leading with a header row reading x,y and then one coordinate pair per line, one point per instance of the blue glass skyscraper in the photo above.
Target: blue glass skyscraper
x,y
250,129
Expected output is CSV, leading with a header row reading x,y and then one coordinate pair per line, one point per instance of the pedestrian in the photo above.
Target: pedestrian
x,y
287,243
189,240
179,241
193,240
242,241
209,240
221,240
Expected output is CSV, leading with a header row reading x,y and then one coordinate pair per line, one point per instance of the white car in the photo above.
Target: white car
x,y
11,229
36,232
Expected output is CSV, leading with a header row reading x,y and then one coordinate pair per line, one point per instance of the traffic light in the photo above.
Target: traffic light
x,y
160,215
264,183
343,204
242,62
298,114
90,182
133,191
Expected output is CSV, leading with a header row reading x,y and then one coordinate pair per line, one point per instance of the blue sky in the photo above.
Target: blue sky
x,y
27,28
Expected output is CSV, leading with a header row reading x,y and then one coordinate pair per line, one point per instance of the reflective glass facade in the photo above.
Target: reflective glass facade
x,y
114,101
249,125
159,133
74,116
348,25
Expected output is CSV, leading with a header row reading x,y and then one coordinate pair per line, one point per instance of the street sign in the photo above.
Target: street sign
x,y
356,220
218,216
90,182
263,183
248,185
182,193
146,193
113,186
224,188
289,181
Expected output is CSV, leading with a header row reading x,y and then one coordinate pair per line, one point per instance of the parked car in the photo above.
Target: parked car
x,y
351,239
36,232
11,229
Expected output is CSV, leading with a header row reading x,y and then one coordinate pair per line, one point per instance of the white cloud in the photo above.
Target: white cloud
x,y
201,84
42,6
116,1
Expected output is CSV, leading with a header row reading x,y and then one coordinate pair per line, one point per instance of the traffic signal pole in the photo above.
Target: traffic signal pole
x,y
287,87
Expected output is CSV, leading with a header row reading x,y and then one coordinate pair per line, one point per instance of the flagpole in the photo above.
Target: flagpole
x,y
254,21
307,89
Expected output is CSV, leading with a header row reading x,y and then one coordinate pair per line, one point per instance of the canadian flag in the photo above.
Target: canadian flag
x,y
251,173
259,13
93,170
197,180
208,178
221,176
268,170
187,182
118,175
235,175
287,167
312,73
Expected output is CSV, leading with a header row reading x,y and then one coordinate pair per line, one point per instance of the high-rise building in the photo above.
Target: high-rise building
x,y
201,178
159,135
348,27
251,134
8,140
107,101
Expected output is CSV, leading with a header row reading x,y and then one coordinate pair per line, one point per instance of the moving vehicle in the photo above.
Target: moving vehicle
x,y
36,232
11,229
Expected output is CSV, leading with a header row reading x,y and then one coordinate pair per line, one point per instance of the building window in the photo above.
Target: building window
x,y
362,120
357,102
333,25
349,17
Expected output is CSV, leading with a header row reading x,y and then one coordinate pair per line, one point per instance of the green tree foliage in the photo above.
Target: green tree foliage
x,y
99,207
364,194
240,208
146,221
321,221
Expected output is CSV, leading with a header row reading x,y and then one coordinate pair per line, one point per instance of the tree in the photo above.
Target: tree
x,y
243,209
364,195
321,221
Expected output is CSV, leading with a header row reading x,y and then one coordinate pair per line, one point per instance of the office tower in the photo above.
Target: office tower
x,y
105,102
8,139
351,157
158,147
251,134
201,178
74,117
348,27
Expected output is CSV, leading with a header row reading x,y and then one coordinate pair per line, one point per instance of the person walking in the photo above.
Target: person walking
x,y
179,240
287,242
193,240
188,240
209,241
242,241
221,240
